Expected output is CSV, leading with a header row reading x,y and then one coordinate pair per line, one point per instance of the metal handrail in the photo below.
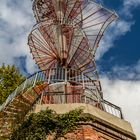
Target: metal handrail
x,y
40,76
62,75
64,98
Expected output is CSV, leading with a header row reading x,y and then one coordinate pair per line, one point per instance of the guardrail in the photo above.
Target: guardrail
x,y
66,98
63,75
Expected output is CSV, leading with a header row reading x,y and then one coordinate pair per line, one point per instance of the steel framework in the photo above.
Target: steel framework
x,y
63,43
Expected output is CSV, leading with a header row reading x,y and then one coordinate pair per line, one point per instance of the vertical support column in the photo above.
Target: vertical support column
x,y
60,35
65,92
49,76
49,83
83,82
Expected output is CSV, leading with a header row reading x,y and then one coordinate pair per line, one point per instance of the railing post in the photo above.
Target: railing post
x,y
65,75
49,76
121,114
41,98
24,85
15,92
83,81
65,88
35,79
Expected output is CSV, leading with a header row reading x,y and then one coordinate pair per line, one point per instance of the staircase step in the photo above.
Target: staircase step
x,y
8,112
28,97
21,102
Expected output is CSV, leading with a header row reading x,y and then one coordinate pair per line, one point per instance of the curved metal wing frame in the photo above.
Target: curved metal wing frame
x,y
68,32
49,49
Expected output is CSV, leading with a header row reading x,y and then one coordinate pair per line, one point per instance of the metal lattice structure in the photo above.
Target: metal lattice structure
x,y
63,43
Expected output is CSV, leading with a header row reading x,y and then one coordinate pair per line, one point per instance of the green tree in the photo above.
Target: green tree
x,y
10,78
39,125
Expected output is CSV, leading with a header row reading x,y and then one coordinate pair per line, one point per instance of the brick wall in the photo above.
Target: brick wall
x,y
85,132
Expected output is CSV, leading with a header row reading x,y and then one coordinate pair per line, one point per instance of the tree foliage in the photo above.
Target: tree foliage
x,y
10,78
39,126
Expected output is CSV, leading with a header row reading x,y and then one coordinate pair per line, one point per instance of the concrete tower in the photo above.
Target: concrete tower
x,y
63,43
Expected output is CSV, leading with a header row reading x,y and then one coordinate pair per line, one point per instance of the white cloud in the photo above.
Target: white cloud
x,y
16,20
119,28
129,6
131,72
124,92
127,95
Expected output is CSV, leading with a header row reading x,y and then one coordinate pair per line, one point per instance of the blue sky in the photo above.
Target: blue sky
x,y
118,57
125,51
